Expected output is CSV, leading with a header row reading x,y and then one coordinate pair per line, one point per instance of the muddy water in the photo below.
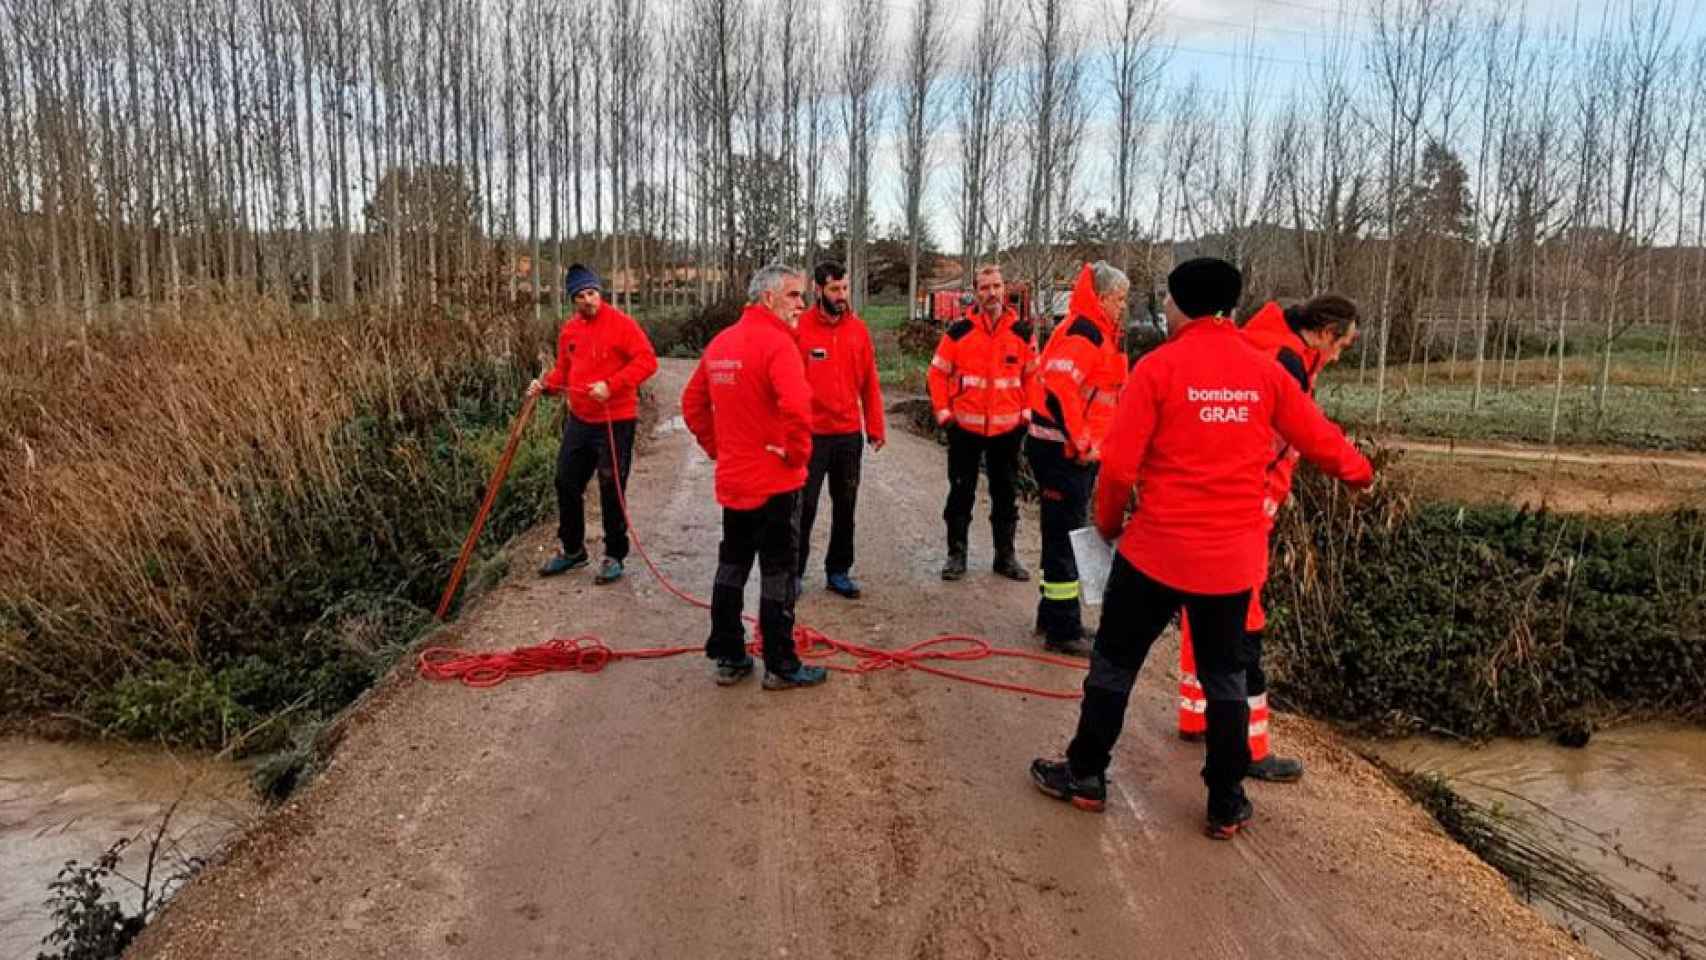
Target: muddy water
x,y
62,802
1644,785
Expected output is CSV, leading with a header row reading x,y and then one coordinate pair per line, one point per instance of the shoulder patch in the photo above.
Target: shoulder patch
x,y
1293,365
1082,327
1022,328
959,329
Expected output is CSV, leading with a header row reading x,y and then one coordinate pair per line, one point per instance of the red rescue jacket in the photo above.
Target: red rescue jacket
x,y
609,347
748,395
1193,435
1080,374
1268,332
981,374
841,366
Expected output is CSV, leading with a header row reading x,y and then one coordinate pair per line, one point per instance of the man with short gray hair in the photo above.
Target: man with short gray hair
x,y
749,406
1072,406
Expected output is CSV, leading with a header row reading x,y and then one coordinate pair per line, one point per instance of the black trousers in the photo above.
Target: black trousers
x,y
1255,678
1064,488
1000,453
586,450
835,456
1135,610
771,534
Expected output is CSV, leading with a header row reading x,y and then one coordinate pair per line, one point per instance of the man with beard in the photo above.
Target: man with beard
x,y
602,358
841,366
749,406
979,380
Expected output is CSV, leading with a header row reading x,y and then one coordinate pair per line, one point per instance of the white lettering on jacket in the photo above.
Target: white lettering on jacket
x,y
1222,404
725,372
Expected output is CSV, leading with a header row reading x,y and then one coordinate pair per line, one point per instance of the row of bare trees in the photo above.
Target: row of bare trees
x,y
1481,182
329,151
1484,184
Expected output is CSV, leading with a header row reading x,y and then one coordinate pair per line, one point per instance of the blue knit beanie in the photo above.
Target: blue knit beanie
x,y
580,278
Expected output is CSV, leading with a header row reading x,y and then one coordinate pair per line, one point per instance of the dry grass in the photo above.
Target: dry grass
x,y
156,471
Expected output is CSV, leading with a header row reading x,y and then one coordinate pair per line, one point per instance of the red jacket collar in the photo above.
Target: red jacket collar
x,y
1201,325
816,314
1084,303
761,314
1008,317
605,311
1269,331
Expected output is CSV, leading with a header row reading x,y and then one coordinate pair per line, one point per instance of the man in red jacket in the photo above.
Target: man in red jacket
x,y
841,366
602,358
1304,339
1191,437
749,406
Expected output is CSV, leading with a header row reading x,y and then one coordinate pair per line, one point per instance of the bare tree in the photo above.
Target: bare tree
x,y
814,94
719,34
1413,44
981,95
861,72
926,51
1136,58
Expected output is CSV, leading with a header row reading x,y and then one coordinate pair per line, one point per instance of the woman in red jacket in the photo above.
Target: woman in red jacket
x,y
1192,437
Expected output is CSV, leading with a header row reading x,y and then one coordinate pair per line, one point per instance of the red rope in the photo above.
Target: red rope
x,y
590,654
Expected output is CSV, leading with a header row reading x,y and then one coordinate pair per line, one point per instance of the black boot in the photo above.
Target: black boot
x,y
1006,558
1276,769
955,568
1007,564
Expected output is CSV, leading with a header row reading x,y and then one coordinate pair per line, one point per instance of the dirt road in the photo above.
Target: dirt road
x,y
645,812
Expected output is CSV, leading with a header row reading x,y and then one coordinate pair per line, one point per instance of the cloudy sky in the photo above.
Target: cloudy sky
x,y
1269,47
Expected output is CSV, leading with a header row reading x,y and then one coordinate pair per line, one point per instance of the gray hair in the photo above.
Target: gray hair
x,y
1108,278
768,278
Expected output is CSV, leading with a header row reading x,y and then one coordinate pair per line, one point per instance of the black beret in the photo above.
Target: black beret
x,y
1205,287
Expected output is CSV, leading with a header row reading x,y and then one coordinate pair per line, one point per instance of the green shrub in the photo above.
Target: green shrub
x,y
1480,621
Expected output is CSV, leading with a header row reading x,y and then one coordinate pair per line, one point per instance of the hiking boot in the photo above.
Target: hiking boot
x,y
1071,647
844,585
1226,826
800,676
561,562
955,568
1007,565
731,672
609,572
1054,777
1276,769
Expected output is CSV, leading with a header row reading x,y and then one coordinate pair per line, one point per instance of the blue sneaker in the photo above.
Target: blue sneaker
x,y
800,676
843,584
609,572
561,562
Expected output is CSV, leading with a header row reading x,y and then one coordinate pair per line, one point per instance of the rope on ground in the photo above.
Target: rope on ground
x,y
588,653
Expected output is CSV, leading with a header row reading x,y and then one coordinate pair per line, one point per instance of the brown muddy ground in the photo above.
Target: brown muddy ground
x,y
1564,481
645,812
